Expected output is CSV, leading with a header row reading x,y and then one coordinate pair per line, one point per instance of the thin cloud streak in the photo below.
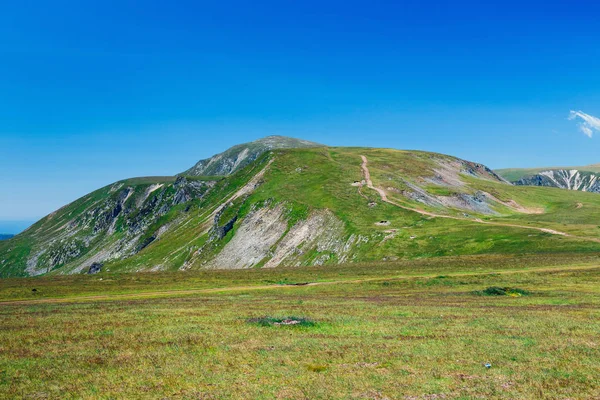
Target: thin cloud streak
x,y
589,123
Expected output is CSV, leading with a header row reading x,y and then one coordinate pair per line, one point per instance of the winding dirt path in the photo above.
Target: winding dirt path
x,y
384,198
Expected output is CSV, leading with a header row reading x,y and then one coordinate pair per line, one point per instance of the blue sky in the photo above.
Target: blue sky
x,y
93,92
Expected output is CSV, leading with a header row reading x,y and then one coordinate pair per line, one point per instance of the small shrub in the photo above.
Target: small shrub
x,y
502,291
286,282
316,367
284,321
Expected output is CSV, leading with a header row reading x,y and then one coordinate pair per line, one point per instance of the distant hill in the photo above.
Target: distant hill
x,y
514,174
282,201
5,236
586,179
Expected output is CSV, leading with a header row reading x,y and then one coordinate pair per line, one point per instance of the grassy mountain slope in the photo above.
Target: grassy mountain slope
x,y
308,206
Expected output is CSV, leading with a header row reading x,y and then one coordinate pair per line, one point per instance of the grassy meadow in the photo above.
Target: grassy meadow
x,y
421,329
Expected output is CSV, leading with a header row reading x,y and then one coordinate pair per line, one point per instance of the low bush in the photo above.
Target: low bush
x,y
283,321
502,291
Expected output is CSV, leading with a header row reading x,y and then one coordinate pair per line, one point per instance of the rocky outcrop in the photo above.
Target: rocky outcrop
x,y
220,231
95,268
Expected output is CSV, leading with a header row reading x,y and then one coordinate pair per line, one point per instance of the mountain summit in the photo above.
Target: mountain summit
x,y
241,155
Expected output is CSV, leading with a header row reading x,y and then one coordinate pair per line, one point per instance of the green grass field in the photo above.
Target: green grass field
x,y
421,329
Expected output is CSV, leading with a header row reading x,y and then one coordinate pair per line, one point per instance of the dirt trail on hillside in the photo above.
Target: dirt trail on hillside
x,y
384,198
187,292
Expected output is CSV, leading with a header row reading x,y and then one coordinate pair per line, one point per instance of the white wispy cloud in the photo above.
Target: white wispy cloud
x,y
588,123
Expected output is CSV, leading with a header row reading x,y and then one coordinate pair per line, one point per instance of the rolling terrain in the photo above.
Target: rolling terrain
x,y
423,276
282,201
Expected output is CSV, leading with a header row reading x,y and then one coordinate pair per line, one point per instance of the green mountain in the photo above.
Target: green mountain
x,y
297,203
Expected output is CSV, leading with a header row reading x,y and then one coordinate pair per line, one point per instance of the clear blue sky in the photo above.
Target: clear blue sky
x,y
96,91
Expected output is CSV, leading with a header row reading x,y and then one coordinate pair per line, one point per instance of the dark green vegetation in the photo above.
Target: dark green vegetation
x,y
503,291
301,207
397,330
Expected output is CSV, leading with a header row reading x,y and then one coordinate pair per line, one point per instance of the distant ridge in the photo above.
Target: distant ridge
x,y
585,179
5,236
514,174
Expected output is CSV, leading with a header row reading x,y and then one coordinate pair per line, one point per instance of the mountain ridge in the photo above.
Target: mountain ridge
x,y
514,174
310,205
575,178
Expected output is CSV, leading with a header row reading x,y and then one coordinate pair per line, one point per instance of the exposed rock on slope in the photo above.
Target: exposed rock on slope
x,y
322,233
114,222
264,239
260,230
241,155
441,184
